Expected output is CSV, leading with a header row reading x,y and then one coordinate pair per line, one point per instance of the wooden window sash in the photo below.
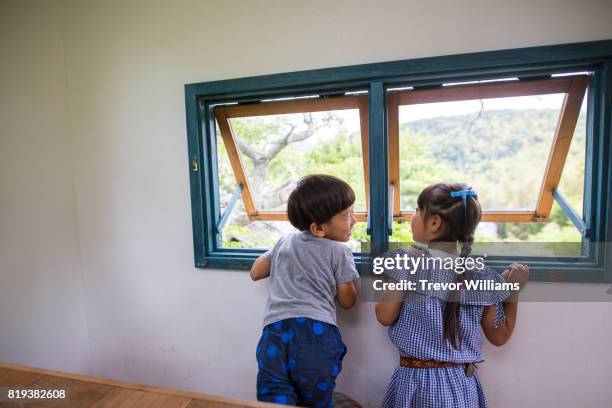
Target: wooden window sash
x,y
564,133
225,112
233,153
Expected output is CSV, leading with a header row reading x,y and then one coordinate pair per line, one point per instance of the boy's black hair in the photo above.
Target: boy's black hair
x,y
317,198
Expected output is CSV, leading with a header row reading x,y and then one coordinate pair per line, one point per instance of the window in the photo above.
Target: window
x,y
266,147
509,137
528,129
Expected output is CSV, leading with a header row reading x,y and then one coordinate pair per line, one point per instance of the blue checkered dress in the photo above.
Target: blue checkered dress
x,y
418,333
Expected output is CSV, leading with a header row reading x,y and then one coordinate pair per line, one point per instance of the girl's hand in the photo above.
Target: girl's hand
x,y
516,273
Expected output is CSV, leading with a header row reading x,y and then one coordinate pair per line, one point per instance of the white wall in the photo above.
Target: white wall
x,y
152,317
42,313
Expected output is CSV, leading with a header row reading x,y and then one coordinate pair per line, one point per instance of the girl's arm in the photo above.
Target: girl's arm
x,y
499,335
389,306
387,312
346,294
260,269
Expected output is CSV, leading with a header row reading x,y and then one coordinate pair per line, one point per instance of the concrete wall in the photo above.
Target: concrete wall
x,y
42,309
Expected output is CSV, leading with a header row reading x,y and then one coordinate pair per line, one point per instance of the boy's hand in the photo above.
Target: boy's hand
x,y
516,273
260,269
346,294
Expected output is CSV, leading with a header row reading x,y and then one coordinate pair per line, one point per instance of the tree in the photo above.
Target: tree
x,y
273,137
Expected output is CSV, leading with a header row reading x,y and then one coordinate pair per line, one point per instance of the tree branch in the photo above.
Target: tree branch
x,y
249,151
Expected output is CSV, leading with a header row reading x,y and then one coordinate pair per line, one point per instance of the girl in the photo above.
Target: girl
x,y
438,332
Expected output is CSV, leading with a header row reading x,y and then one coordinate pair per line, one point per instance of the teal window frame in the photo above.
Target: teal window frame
x,y
376,78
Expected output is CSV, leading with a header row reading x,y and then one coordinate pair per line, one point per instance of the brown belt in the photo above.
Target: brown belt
x,y
416,363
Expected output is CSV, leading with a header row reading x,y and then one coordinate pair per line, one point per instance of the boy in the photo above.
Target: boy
x,y
301,350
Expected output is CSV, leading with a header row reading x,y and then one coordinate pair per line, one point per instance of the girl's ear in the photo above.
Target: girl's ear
x,y
435,224
317,230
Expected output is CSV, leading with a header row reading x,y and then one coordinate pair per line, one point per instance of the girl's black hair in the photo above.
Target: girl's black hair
x,y
459,224
317,198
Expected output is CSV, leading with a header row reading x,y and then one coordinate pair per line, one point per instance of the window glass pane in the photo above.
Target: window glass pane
x,y
558,228
239,232
276,151
498,146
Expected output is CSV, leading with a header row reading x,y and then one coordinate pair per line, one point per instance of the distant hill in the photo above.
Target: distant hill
x,y
503,152
501,133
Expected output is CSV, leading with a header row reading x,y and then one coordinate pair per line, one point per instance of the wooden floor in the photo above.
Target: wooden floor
x,y
85,391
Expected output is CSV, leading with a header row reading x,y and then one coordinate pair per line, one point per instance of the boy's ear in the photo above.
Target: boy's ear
x,y
317,230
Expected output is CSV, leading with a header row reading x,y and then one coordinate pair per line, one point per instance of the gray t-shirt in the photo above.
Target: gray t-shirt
x,y
304,271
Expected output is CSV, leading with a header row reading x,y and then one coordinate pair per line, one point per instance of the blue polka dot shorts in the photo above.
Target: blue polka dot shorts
x,y
299,360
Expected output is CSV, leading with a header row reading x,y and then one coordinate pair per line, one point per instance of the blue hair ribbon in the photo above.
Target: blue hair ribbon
x,y
464,195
